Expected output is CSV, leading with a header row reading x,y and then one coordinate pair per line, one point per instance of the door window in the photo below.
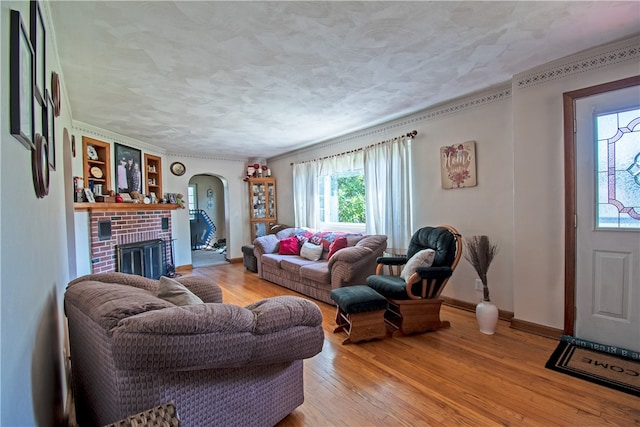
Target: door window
x,y
618,170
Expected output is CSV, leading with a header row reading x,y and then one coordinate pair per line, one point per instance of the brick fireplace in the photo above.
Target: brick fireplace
x,y
124,227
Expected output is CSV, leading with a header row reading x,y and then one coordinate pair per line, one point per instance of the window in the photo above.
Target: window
x,y
342,201
618,170
192,199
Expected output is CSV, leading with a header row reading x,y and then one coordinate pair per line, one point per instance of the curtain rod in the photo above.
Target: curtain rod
x,y
409,135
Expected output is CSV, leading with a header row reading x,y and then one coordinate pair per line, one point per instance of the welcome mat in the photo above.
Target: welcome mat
x,y
609,370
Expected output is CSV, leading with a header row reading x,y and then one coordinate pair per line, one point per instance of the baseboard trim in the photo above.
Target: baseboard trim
x,y
520,325
184,268
235,260
536,329
471,306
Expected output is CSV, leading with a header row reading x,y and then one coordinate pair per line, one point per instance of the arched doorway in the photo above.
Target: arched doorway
x,y
207,220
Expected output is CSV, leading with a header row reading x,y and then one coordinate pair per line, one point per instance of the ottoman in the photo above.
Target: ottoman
x,y
360,313
249,259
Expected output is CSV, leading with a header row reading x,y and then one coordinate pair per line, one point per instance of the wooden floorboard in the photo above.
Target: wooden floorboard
x,y
456,376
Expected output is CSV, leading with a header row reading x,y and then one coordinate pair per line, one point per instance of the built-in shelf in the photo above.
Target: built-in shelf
x,y
96,163
153,165
111,207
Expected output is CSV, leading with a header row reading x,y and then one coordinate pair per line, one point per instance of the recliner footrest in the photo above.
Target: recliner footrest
x,y
360,313
358,299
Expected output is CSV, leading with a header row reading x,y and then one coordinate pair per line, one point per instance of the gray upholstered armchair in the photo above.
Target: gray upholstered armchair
x,y
220,363
413,284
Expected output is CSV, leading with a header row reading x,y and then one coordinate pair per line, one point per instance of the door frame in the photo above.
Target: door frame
x,y
569,114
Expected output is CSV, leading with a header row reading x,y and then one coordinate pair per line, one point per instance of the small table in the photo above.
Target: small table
x,y
360,313
249,259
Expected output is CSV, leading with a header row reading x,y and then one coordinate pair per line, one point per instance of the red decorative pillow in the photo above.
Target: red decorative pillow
x,y
289,246
336,245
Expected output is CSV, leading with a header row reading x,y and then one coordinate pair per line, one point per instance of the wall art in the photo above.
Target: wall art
x,y
38,42
458,165
21,82
128,167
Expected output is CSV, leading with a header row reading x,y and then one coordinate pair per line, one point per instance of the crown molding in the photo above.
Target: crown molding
x,y
615,53
478,99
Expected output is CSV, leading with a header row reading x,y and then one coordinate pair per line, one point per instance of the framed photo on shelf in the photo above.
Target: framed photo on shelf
x,y
21,82
88,194
128,168
38,41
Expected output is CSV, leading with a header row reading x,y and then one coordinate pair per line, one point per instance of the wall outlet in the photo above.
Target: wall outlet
x,y
479,286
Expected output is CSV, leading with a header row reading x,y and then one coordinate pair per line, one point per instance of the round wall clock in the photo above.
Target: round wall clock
x,y
177,168
55,93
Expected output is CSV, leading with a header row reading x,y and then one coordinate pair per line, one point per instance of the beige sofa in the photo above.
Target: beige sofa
x,y
349,266
221,364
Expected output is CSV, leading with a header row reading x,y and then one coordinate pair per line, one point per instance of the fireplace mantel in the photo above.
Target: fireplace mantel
x,y
112,207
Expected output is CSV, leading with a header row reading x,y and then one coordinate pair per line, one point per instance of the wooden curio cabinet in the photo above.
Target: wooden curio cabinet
x,y
96,162
262,205
153,165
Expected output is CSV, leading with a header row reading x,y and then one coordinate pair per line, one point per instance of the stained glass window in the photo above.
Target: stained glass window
x,y
618,170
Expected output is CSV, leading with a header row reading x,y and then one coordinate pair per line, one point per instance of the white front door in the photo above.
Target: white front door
x,y
608,218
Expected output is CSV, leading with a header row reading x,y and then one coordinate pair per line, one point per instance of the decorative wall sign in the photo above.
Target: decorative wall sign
x,y
458,165
38,41
21,82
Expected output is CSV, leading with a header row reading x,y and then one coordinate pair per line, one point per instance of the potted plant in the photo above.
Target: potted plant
x,y
480,251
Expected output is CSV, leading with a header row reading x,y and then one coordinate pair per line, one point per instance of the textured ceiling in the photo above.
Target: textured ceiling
x,y
256,79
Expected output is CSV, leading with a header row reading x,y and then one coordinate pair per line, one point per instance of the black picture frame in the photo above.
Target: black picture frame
x,y
38,42
127,171
39,117
21,82
51,130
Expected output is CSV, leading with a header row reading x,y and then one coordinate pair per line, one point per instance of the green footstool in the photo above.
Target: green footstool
x,y
360,313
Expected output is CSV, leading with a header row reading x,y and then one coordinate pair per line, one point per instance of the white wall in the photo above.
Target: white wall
x,y
236,203
539,178
216,211
33,260
519,200
484,209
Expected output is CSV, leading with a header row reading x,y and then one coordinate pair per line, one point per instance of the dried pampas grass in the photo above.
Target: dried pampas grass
x,y
480,251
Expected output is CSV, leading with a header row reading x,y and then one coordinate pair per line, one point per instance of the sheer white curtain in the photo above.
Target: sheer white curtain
x,y
305,197
342,163
387,174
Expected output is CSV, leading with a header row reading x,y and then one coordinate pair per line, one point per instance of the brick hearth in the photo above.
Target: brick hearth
x,y
128,226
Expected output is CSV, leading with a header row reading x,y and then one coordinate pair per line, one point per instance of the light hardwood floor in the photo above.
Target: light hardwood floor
x,y
455,376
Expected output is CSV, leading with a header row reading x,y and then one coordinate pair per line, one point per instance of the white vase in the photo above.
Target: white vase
x,y
487,316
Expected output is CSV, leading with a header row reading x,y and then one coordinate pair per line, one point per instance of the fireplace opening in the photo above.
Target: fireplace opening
x,y
147,258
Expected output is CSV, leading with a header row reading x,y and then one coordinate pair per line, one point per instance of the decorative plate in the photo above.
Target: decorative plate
x,y
55,93
147,200
92,153
177,168
96,172
40,166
